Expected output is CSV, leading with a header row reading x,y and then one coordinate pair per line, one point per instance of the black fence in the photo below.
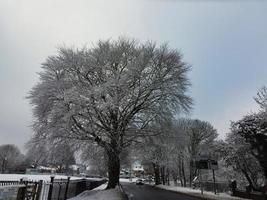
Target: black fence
x,y
64,189
20,190
219,186
249,193
4,183
209,186
56,189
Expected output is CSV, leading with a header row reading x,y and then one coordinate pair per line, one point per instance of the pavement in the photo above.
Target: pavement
x,y
148,192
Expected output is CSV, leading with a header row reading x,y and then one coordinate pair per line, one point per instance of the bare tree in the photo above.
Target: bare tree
x,y
261,98
106,93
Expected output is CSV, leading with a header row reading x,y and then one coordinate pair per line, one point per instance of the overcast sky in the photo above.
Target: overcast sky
x,y
224,41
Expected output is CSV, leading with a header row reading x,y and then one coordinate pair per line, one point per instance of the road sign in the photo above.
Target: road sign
x,y
213,164
206,164
202,164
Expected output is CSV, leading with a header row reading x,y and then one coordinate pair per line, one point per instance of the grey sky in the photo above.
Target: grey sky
x,y
225,41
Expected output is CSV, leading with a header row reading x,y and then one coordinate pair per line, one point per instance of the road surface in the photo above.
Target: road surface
x,y
147,192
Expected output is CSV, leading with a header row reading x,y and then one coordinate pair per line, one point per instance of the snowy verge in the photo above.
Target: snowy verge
x,y
100,193
197,193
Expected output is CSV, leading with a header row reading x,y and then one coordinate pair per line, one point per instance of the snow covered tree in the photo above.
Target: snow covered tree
x,y
253,128
94,157
37,153
200,136
180,153
107,93
58,154
237,153
153,152
62,156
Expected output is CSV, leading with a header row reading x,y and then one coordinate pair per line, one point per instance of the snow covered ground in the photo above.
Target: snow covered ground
x,y
31,177
100,193
197,193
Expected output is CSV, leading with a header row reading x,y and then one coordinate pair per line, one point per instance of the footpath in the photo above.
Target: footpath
x,y
100,193
197,193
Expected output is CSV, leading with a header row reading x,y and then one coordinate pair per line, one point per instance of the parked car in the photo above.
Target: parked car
x,y
139,182
148,180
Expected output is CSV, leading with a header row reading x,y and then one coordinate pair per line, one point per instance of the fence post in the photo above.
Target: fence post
x,y
21,193
214,182
59,190
26,189
51,188
67,187
233,187
39,190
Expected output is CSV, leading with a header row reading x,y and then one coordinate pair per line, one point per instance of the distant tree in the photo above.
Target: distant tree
x,y
253,128
177,143
37,153
106,93
62,156
57,154
95,158
153,151
23,164
180,154
261,98
200,136
10,157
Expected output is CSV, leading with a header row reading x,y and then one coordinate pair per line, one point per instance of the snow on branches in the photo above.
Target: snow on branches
x,y
102,92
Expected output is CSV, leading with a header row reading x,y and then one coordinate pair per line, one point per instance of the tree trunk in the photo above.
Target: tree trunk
x,y
157,173
180,173
174,177
265,174
183,172
251,184
113,170
168,177
163,175
190,174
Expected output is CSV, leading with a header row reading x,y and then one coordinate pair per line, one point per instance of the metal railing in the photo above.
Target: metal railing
x,y
55,189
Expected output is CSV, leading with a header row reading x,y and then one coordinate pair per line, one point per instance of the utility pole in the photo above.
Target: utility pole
x,y
200,179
